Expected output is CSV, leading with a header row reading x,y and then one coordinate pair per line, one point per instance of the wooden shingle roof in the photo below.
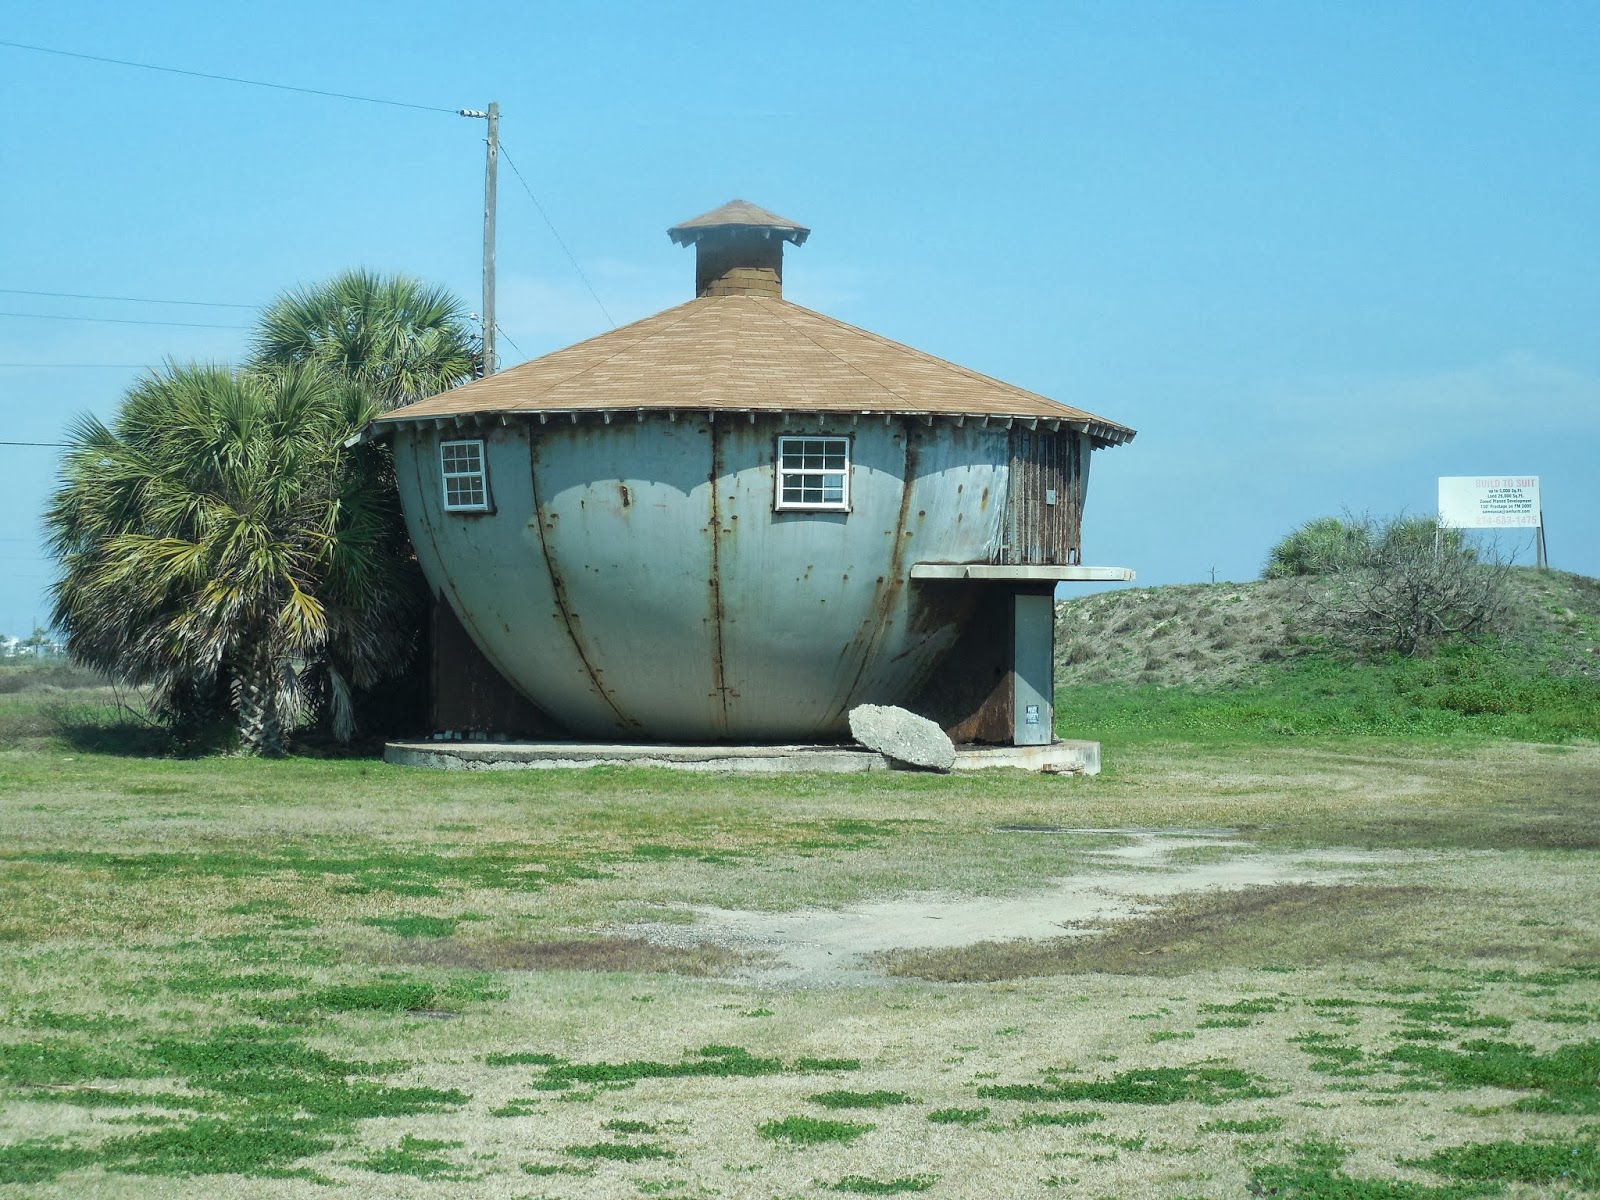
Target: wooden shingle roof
x,y
747,353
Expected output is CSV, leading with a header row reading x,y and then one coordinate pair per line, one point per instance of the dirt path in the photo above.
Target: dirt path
x,y
832,947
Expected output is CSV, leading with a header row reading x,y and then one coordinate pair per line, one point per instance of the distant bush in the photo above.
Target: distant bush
x,y
47,674
1335,545
1400,585
1325,546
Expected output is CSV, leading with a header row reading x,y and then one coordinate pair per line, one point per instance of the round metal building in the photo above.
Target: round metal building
x,y
738,519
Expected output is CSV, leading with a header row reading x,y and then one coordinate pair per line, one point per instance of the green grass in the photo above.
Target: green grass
x,y
1465,692
398,873
202,981
264,1146
1147,1086
1067,1117
413,925
810,1131
846,1099
1249,1125
1251,1006
543,1169
958,1116
711,1061
807,1063
521,1058
620,1151
1316,1172
1573,1163
419,1158
624,1126
864,1185
214,968
1234,673
59,1061
255,1102
42,1160
1565,1077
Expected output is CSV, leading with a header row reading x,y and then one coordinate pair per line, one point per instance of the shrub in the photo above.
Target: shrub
x,y
1400,585
1321,547
1408,601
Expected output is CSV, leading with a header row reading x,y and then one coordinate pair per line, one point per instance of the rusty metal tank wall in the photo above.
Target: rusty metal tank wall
x,y
633,578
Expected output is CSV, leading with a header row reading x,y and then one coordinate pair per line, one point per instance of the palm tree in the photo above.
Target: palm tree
x,y
219,539
397,338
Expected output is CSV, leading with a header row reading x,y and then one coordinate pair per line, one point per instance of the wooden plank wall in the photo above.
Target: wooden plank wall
x,y
1038,532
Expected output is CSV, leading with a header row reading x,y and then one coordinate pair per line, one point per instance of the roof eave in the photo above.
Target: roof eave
x,y
1103,434
688,236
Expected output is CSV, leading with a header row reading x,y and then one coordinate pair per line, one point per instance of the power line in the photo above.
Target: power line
x,y
282,87
502,331
74,366
53,445
117,321
557,236
129,299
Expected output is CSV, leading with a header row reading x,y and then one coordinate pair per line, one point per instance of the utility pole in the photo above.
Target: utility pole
x,y
491,170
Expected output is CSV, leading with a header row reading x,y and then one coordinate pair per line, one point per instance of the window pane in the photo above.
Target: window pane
x,y
813,472
465,483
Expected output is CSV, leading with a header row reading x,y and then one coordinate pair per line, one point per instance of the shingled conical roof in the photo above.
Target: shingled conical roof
x,y
738,214
747,352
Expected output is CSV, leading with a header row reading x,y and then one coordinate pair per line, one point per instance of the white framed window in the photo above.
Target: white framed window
x,y
814,473
465,475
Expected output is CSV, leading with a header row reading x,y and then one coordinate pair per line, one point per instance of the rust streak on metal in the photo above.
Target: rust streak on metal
x,y
892,581
447,596
558,590
719,680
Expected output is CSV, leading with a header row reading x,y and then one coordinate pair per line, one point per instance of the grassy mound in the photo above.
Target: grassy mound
x,y
1233,660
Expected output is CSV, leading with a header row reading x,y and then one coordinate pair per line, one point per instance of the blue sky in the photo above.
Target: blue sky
x,y
1318,255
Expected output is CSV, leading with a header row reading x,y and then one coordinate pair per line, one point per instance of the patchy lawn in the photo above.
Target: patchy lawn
x,y
1373,970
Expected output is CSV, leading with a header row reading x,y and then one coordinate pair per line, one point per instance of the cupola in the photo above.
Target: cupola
x,y
738,249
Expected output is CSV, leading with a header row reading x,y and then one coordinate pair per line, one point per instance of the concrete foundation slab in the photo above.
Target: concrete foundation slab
x,y
1058,758
1061,758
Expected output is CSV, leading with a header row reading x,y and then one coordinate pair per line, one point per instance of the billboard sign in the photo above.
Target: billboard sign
x,y
1489,501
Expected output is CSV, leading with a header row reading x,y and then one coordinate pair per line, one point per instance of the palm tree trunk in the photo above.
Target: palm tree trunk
x,y
255,696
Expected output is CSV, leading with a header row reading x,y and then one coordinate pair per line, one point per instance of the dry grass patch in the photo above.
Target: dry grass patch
x,y
607,954
208,953
1273,925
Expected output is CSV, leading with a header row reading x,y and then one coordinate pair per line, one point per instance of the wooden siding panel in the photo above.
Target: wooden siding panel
x,y
1044,515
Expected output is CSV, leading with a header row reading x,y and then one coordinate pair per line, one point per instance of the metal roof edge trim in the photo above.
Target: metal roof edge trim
x,y
1104,436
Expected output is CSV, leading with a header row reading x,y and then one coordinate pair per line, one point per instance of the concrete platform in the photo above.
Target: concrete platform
x,y
1062,758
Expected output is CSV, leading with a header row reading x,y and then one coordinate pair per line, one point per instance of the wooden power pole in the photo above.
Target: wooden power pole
x,y
491,171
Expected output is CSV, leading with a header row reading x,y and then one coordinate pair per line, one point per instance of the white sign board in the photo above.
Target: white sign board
x,y
1489,501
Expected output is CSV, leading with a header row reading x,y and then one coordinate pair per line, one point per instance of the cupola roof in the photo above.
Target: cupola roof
x,y
738,214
